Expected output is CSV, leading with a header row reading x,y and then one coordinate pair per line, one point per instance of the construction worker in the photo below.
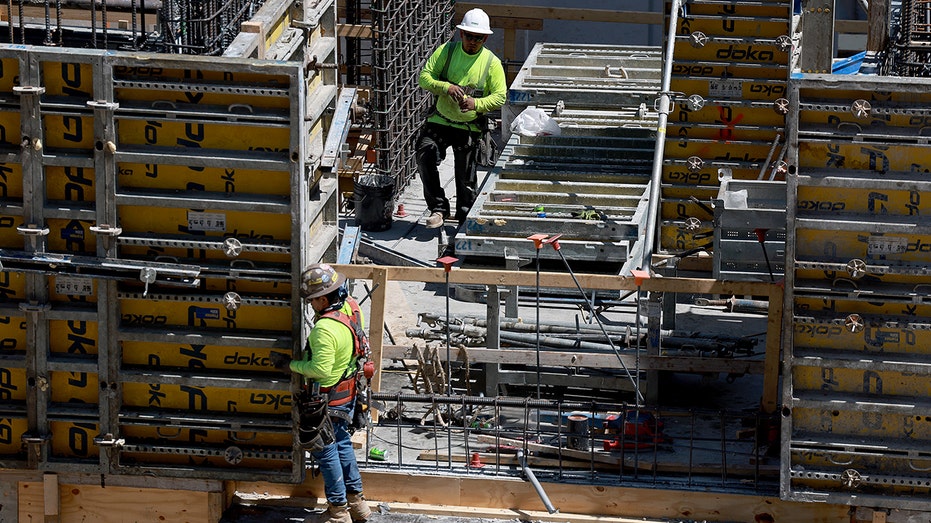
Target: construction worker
x,y
331,362
468,81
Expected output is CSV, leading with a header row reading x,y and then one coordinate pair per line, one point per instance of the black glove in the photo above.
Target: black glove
x,y
281,361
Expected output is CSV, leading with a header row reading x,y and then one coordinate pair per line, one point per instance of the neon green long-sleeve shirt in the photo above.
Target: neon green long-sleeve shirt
x,y
331,351
466,71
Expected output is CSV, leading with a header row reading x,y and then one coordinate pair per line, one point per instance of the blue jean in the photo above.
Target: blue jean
x,y
338,461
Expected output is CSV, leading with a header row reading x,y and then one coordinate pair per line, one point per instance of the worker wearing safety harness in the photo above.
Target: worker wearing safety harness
x,y
468,81
335,344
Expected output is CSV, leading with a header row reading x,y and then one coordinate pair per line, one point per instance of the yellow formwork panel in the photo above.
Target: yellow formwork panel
x,y
871,340
259,288
205,399
68,131
72,236
847,122
11,436
11,181
873,278
9,74
762,114
887,249
74,440
673,209
74,387
680,174
719,132
68,79
839,93
845,307
135,433
229,137
733,9
732,27
682,192
883,384
709,150
676,236
177,254
736,88
762,53
865,424
73,184
186,94
12,384
860,156
9,237
212,179
10,127
893,200
12,333
149,312
712,70
12,286
222,224
73,337
254,361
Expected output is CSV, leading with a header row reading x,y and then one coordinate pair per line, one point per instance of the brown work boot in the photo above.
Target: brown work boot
x,y
358,508
435,220
332,514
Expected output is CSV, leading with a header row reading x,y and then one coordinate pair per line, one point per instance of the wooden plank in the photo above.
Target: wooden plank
x,y
354,31
562,280
377,325
600,360
51,499
561,13
456,493
118,504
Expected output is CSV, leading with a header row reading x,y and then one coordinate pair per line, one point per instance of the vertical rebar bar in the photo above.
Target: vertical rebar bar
x,y
9,17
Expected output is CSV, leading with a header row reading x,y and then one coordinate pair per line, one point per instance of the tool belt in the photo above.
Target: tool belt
x,y
315,429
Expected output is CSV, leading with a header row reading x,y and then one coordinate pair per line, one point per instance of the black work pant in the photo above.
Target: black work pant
x,y
432,143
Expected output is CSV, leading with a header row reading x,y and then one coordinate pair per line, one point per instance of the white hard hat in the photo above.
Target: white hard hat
x,y
475,21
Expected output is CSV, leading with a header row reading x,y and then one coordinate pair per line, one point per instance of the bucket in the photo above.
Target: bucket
x,y
373,200
578,429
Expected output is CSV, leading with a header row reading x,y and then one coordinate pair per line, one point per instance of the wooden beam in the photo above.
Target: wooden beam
x,y
562,280
377,325
51,498
354,31
114,503
561,13
772,359
551,358
459,493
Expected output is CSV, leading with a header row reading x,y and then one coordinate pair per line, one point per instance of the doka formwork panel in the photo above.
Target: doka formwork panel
x,y
69,198
857,366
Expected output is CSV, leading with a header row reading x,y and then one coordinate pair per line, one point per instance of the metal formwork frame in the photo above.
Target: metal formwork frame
x,y
115,93
855,363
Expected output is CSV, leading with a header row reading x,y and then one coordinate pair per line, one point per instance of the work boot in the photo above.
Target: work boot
x,y
435,220
358,508
332,514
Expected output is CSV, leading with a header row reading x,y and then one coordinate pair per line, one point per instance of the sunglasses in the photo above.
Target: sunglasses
x,y
472,37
